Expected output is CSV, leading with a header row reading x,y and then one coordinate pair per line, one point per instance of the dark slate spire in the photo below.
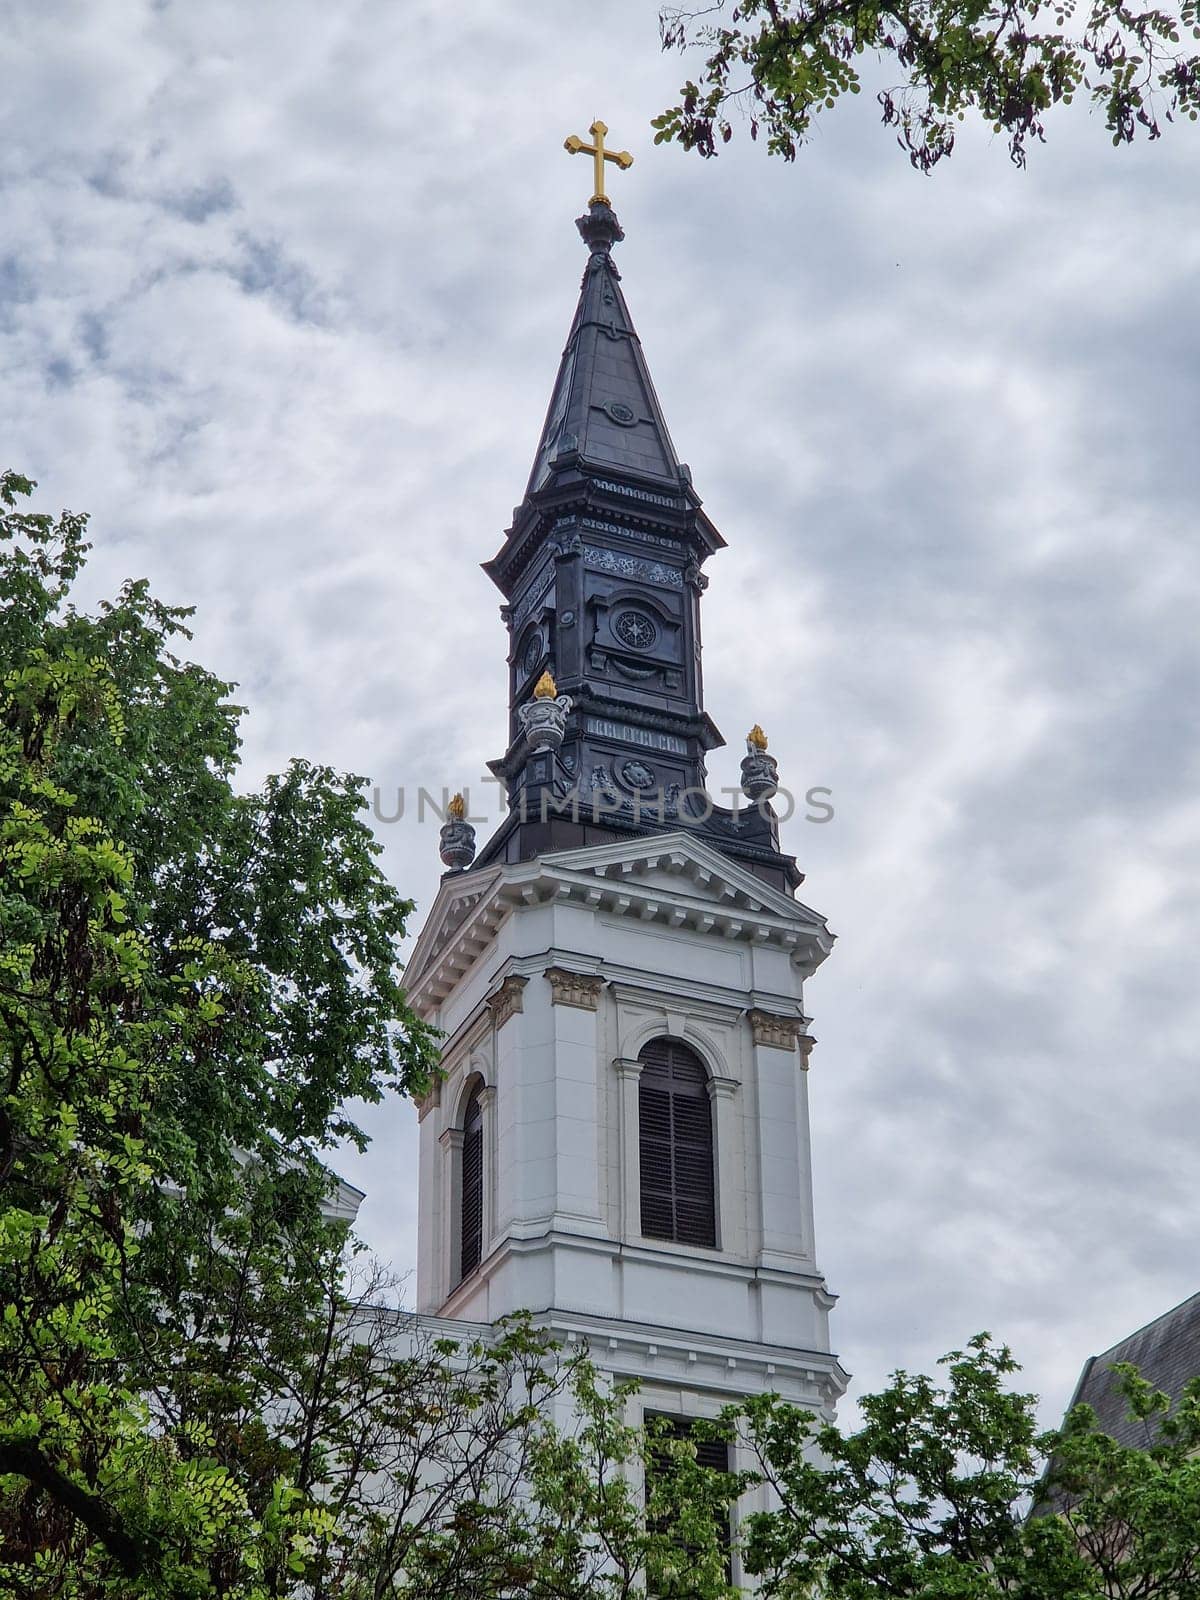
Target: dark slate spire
x,y
604,409
601,574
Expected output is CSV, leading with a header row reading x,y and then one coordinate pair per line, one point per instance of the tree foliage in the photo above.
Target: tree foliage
x,y
1007,61
952,1490
205,1388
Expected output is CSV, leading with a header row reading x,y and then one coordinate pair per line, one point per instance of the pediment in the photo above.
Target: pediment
x,y
457,917
673,880
682,864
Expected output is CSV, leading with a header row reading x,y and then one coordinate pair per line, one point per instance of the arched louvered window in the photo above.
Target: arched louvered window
x,y
676,1145
471,1191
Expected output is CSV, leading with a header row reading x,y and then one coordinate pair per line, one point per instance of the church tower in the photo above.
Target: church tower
x,y
620,1144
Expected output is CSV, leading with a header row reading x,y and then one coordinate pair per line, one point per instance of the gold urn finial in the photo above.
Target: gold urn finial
x,y
545,688
757,738
577,147
457,809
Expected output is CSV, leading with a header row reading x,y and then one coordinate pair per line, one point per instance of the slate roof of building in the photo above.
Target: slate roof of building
x,y
603,403
1166,1352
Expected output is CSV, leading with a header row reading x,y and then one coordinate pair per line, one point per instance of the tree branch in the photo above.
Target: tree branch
x,y
25,1461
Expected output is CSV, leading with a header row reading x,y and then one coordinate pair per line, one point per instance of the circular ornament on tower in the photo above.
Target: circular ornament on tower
x,y
621,413
636,775
635,629
533,652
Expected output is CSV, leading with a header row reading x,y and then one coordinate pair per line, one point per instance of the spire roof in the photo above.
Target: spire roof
x,y
604,412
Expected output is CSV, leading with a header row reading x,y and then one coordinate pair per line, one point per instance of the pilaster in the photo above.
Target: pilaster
x,y
722,1092
629,1076
784,1158
451,1142
491,1152
574,1009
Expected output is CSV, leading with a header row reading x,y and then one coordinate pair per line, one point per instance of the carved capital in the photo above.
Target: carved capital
x,y
581,989
430,1101
778,1033
451,1138
628,1067
806,1042
508,999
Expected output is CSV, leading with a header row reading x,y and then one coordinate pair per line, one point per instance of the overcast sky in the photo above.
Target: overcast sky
x,y
282,293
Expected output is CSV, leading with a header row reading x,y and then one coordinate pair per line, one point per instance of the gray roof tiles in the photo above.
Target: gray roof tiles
x,y
1166,1352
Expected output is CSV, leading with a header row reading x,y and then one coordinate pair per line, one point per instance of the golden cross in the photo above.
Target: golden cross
x,y
577,147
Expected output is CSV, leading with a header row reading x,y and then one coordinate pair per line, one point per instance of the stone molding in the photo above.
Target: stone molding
x,y
777,1033
579,989
628,1067
806,1042
722,1088
508,999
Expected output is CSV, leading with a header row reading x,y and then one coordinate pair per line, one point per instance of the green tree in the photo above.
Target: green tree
x,y
951,1490
205,1388
1007,61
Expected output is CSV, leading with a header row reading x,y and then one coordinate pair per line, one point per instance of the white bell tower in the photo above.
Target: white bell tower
x,y
557,983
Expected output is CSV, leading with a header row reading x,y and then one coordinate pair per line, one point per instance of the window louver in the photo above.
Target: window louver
x,y
471,1232
676,1146
713,1454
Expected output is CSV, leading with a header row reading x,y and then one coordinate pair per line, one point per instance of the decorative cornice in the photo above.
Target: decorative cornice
x,y
580,989
710,895
777,1033
508,999
692,1362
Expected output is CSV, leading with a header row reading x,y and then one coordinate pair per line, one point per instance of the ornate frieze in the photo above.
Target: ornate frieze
x,y
639,494
632,566
626,733
641,535
778,1033
580,989
539,588
508,999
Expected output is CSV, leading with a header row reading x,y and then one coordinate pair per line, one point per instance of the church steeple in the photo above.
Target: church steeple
x,y
619,1138
601,573
603,410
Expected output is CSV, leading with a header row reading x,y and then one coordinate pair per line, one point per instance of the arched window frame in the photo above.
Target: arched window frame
x,y
677,1146
467,1141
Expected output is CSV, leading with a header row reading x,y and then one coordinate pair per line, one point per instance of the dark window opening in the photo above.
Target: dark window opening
x,y
676,1146
471,1212
713,1454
